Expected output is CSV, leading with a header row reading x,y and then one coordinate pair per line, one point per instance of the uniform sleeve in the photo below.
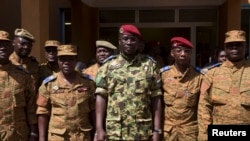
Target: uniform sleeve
x,y
92,99
204,109
43,102
31,97
101,82
156,82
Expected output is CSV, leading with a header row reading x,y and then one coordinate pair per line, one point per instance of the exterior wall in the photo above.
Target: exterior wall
x,y
42,19
10,15
84,29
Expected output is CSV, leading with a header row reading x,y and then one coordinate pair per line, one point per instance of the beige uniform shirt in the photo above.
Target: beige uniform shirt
x,y
225,96
69,107
181,94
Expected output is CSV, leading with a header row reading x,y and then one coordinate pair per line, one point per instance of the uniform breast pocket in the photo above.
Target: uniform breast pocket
x,y
142,85
245,101
19,97
192,97
58,102
219,94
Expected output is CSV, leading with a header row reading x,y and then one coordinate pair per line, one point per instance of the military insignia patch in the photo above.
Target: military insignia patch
x,y
175,44
55,88
121,30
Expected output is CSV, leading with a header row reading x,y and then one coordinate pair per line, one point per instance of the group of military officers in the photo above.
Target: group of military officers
x,y
121,97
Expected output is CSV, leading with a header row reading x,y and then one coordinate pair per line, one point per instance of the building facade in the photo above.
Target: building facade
x,y
82,22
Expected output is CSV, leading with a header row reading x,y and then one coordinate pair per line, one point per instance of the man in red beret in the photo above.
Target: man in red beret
x,y
129,93
181,85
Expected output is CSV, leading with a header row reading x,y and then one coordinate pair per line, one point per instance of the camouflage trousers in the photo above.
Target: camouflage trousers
x,y
13,135
70,136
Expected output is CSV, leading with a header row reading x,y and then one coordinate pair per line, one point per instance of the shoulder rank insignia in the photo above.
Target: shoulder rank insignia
x,y
20,67
204,70
109,58
151,58
198,69
84,75
166,68
48,79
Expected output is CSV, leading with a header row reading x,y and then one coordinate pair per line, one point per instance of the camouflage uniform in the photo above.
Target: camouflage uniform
x,y
92,70
30,65
225,96
17,104
129,88
181,94
45,70
68,106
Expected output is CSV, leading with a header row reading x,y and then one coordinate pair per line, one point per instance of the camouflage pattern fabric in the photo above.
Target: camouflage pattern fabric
x,y
30,65
225,96
69,107
181,94
92,70
129,87
46,70
17,103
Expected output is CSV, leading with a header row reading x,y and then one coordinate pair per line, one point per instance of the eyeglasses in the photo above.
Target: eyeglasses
x,y
179,50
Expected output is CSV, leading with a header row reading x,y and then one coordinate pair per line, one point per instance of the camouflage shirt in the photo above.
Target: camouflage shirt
x,y
129,87
225,96
18,100
68,106
181,94
29,64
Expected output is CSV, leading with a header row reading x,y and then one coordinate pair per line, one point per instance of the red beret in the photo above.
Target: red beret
x,y
130,29
180,41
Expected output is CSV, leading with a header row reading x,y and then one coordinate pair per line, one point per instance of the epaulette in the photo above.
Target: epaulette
x,y
198,69
109,58
151,58
20,67
84,75
204,70
166,68
33,59
48,79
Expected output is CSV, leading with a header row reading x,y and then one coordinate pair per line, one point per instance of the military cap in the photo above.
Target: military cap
x,y
20,32
52,43
129,29
180,42
102,43
66,50
4,35
235,36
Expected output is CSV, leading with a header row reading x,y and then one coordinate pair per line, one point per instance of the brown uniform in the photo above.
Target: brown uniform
x,y
92,70
69,107
17,104
181,94
29,64
225,96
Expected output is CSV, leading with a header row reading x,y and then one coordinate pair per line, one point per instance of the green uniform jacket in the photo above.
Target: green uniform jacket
x,y
129,87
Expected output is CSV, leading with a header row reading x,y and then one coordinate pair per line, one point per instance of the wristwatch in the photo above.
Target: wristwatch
x,y
159,131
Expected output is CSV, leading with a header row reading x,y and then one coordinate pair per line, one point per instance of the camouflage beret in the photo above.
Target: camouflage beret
x,y
4,35
235,36
102,43
52,43
20,32
67,50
